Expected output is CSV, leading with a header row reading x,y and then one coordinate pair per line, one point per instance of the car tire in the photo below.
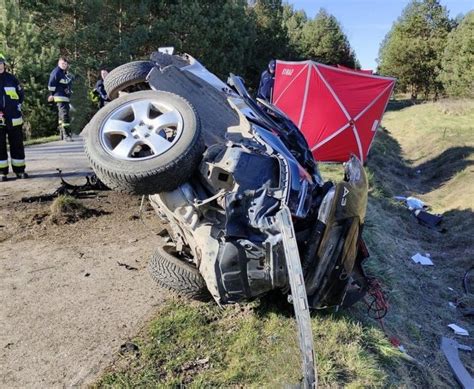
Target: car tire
x,y
127,76
155,152
176,275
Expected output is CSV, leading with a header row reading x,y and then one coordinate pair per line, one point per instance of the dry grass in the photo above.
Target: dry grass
x,y
67,209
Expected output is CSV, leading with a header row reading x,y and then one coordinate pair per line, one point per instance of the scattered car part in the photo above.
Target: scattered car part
x,y
429,220
458,330
92,184
422,260
127,77
298,297
451,349
144,142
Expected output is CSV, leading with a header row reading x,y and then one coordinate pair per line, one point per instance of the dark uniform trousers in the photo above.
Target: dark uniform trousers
x,y
64,120
17,150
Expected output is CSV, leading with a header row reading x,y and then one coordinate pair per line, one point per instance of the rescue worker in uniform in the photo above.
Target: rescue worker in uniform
x,y
99,89
59,85
267,79
11,98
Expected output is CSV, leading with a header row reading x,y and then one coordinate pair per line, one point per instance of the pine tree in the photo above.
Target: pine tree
x,y
324,41
294,22
457,75
30,61
269,37
412,49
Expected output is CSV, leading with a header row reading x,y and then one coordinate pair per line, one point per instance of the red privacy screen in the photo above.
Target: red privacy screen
x,y
337,109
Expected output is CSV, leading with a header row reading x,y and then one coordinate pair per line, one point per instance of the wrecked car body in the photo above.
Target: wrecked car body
x,y
220,192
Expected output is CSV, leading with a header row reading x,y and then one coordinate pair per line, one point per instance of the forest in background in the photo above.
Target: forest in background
x,y
426,50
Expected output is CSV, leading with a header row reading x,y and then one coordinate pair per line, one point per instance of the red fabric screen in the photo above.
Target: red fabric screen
x,y
337,109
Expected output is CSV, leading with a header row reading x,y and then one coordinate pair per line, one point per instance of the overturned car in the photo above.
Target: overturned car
x,y
233,181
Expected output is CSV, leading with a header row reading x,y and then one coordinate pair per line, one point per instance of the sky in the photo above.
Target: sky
x,y
365,22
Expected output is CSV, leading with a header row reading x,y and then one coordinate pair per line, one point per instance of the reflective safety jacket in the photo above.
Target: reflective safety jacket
x,y
11,98
59,85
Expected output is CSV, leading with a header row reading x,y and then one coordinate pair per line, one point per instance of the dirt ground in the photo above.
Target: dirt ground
x,y
68,300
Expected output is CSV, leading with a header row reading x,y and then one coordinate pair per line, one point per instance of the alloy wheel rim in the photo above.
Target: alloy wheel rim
x,y
141,129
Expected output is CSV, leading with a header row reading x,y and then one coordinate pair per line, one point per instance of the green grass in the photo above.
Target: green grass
x,y
424,150
250,345
437,142
44,139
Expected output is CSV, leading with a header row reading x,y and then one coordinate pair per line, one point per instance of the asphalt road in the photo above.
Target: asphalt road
x,y
42,162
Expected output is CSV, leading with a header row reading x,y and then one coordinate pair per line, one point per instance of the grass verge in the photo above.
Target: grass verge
x,y
250,345
44,139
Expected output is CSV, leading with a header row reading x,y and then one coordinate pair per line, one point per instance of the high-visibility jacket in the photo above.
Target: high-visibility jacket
x,y
11,98
60,83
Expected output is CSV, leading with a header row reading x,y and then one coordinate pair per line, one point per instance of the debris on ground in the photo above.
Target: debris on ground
x,y
67,189
458,330
420,210
422,260
428,219
411,202
128,267
451,349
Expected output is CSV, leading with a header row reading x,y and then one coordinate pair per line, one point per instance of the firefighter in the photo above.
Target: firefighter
x,y
59,85
267,79
99,89
11,98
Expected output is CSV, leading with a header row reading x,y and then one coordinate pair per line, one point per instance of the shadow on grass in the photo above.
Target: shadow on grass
x,y
397,175
397,105
445,166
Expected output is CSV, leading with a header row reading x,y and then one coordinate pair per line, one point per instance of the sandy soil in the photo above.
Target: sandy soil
x,y
67,300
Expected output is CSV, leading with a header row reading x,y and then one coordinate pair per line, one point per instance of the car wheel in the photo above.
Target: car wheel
x,y
175,274
128,77
145,142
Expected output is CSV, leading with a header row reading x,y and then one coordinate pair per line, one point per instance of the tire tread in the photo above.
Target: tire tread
x,y
126,75
176,275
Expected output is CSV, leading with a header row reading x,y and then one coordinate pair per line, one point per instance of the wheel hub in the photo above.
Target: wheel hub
x,y
141,131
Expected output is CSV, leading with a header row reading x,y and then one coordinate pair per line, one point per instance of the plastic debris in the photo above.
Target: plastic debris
x,y
422,260
452,305
458,330
414,203
451,349
411,202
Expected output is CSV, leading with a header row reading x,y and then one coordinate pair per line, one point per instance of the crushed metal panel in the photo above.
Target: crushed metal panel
x,y
298,293
451,349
